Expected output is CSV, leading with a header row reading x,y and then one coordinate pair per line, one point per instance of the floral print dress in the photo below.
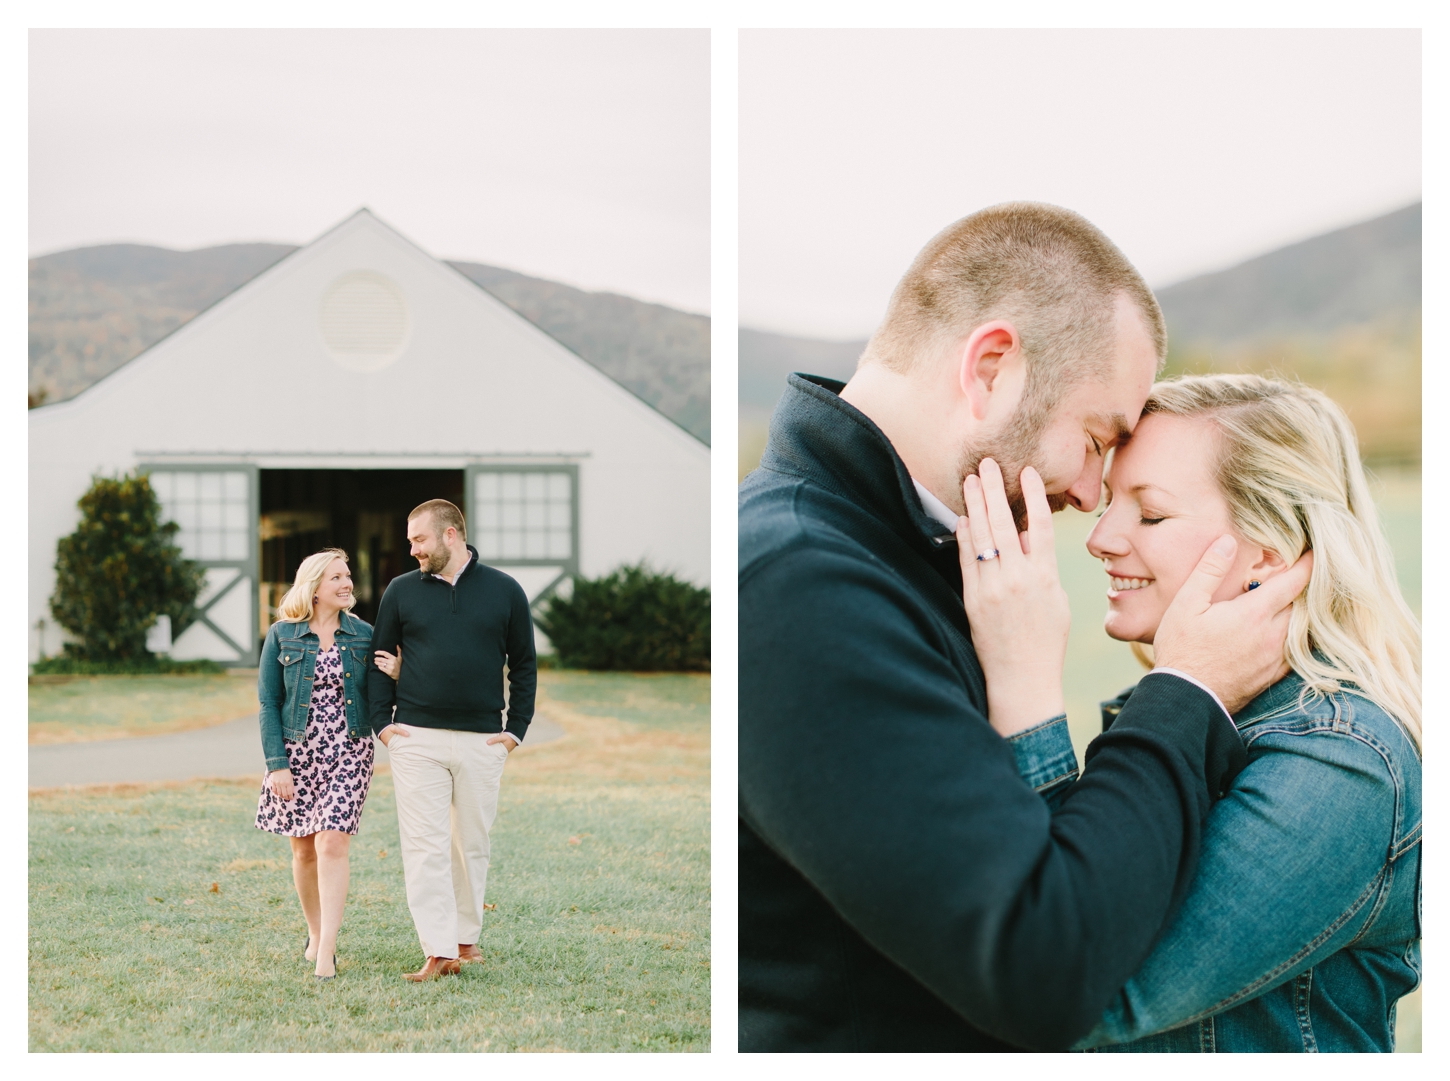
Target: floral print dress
x,y
331,771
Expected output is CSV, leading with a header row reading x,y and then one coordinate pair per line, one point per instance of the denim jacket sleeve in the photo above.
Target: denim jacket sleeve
x,y
271,698
1045,759
1293,859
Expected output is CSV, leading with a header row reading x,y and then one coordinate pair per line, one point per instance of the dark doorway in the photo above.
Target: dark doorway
x,y
362,511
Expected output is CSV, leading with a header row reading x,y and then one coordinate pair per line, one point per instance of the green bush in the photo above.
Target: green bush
x,y
632,620
118,571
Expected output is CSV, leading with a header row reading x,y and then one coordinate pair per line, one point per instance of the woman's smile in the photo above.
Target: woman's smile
x,y
1163,512
1121,585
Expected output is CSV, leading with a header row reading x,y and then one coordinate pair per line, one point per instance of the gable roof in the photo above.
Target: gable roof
x,y
301,252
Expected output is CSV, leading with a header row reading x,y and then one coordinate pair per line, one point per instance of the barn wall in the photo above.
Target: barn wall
x,y
252,378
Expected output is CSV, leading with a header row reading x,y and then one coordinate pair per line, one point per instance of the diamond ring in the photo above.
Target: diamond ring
x,y
990,553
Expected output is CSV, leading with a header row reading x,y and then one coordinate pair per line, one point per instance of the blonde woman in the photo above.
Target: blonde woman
x,y
316,740
1301,929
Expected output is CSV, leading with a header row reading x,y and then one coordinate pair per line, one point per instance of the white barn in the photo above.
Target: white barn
x,y
325,398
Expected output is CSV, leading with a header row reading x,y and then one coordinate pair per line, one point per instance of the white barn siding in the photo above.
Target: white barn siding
x,y
251,381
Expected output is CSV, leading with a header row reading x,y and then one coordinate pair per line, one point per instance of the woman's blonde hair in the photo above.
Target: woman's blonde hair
x,y
296,606
1289,469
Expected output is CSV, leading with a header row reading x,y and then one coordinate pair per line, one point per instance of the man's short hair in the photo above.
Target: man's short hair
x,y
1050,272
444,514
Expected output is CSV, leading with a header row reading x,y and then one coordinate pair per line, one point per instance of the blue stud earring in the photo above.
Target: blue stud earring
x,y
1252,585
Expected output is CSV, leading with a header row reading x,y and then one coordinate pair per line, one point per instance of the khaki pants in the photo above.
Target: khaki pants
x,y
446,785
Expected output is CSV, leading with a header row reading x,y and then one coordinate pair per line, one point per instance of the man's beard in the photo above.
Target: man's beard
x,y
434,562
1014,449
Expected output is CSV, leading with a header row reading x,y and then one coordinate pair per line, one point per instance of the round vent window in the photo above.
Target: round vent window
x,y
364,321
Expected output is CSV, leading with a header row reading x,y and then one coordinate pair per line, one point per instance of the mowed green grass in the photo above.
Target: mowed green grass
x,y
1099,668
656,700
112,707
600,940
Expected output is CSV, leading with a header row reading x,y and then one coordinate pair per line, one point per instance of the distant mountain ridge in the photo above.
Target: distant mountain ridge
x,y
93,309
1340,311
659,353
1360,274
766,359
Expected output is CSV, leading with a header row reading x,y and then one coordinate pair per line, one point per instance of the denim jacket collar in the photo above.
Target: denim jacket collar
x,y
1282,696
1277,697
348,625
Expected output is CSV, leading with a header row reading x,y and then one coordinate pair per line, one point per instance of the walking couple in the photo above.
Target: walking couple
x,y
921,866
328,682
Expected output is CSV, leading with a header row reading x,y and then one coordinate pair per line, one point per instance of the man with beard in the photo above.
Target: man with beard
x,y
903,882
447,742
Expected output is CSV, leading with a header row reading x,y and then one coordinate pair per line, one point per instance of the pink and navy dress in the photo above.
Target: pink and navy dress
x,y
331,771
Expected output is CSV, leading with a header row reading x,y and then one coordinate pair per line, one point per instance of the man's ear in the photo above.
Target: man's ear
x,y
989,352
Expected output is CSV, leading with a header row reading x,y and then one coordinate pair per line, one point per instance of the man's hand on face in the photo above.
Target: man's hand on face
x,y
1234,647
507,739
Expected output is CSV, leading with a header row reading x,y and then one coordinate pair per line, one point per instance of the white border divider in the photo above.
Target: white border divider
x,y
724,430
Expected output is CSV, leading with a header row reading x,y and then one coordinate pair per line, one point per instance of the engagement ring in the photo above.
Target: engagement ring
x,y
990,553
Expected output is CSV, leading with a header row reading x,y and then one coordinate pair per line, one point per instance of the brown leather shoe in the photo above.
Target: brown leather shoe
x,y
469,954
433,968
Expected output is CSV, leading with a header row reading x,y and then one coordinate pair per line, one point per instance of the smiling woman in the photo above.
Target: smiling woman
x,y
1301,931
1277,466
1165,510
317,741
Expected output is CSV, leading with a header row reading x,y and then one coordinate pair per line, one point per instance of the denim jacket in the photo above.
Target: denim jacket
x,y
284,682
1302,928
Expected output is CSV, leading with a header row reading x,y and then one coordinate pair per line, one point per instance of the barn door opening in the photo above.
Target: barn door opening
x,y
215,508
362,511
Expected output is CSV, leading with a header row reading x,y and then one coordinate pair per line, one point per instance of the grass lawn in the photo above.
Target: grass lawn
x,y
600,940
72,709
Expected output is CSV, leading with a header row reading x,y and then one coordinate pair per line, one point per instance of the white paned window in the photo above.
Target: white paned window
x,y
523,515
211,510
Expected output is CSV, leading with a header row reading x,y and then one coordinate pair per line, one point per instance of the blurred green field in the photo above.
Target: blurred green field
x,y
75,709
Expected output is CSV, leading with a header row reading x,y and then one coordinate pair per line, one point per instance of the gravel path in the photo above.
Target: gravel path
x,y
233,749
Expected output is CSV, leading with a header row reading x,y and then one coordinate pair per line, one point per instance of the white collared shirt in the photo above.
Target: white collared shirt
x,y
461,569
935,507
943,514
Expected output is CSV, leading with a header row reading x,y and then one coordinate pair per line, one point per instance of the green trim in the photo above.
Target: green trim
x,y
548,590
249,567
571,563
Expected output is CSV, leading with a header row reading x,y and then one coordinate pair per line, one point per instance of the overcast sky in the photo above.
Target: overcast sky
x,y
1192,150
576,155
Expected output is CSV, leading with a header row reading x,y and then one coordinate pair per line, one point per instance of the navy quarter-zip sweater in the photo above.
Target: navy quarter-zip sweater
x,y
901,887
457,639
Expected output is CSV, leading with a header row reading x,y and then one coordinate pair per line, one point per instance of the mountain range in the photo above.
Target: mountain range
x,y
93,309
1340,311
